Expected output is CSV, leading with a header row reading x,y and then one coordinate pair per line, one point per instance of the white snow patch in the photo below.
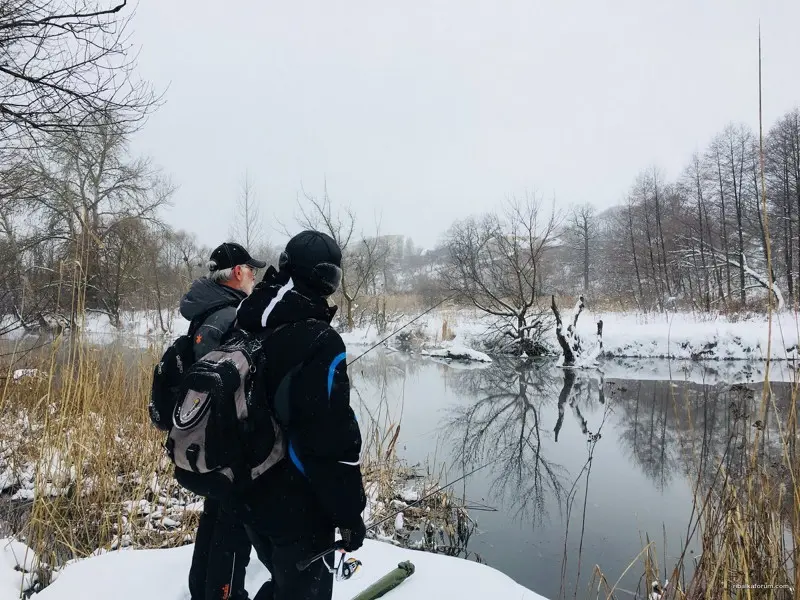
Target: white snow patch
x,y
18,565
161,575
694,336
22,373
409,495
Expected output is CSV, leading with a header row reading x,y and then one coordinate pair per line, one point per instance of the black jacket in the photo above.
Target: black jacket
x,y
204,296
324,438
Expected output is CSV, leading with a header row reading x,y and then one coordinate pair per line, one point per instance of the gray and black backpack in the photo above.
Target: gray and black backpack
x,y
224,434
169,372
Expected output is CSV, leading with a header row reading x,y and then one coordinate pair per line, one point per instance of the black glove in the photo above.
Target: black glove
x,y
270,274
353,537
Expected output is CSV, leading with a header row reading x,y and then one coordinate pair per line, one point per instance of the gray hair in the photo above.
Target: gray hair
x,y
218,276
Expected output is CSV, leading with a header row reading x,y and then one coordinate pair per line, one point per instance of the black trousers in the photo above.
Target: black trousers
x,y
286,524
221,555
280,554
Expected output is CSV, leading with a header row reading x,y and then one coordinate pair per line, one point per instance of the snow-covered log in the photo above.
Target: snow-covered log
x,y
760,279
571,343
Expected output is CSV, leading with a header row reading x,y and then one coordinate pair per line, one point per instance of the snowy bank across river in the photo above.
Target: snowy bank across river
x,y
446,332
693,336
678,335
162,574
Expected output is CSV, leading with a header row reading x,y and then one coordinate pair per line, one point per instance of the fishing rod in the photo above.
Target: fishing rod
x,y
396,331
339,545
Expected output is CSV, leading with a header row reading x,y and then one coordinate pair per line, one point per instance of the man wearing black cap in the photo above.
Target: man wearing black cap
x,y
294,507
230,279
222,548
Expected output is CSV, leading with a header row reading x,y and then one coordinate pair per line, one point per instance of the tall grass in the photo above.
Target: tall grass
x,y
78,444
88,471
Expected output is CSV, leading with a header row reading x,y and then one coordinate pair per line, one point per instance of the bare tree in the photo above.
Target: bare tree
x,y
187,253
89,194
783,178
17,191
581,234
121,271
694,182
360,256
632,235
495,264
63,63
715,158
738,142
247,227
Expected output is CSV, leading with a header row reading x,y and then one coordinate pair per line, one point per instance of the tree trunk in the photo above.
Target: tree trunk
x,y
633,251
738,201
569,356
586,257
350,324
724,223
795,151
702,237
660,232
653,263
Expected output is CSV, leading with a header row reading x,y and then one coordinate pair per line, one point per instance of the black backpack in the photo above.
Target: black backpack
x,y
224,434
168,374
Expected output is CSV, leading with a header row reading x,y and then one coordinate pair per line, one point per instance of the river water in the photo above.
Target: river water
x,y
556,514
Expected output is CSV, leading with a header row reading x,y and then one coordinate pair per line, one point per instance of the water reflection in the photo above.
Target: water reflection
x,y
686,429
507,424
574,391
656,444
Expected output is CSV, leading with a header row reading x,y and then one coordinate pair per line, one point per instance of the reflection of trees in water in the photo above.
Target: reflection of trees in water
x,y
574,392
669,427
646,430
377,385
505,424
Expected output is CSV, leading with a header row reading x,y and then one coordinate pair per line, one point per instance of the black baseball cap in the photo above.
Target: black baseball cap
x,y
230,254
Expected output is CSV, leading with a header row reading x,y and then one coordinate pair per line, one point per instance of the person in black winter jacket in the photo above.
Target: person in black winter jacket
x,y
222,547
294,507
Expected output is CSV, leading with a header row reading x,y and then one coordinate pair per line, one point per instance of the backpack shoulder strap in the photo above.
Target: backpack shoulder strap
x,y
198,321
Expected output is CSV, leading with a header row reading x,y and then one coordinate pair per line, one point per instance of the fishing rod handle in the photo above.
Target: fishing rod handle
x,y
304,564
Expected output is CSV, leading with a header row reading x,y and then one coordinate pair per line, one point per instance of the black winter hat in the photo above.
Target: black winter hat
x,y
229,255
315,259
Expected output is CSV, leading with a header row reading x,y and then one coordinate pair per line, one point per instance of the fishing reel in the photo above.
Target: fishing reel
x,y
345,569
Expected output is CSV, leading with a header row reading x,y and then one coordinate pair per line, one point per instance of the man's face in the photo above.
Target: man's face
x,y
249,279
245,276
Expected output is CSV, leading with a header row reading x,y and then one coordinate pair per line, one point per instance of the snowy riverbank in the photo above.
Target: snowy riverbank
x,y
691,336
460,334
161,575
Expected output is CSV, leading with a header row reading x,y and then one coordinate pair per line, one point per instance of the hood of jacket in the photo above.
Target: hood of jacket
x,y
279,300
206,295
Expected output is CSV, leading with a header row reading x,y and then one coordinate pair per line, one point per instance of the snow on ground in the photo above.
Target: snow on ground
x,y
17,566
161,575
445,333
693,336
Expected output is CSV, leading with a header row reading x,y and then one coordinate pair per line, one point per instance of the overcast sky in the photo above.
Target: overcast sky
x,y
419,113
